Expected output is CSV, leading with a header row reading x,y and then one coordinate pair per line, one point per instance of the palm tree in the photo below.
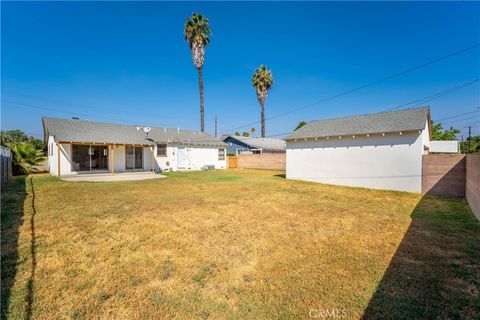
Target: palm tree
x,y
25,156
253,131
262,81
197,34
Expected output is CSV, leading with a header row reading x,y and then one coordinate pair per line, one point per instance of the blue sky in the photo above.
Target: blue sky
x,y
128,62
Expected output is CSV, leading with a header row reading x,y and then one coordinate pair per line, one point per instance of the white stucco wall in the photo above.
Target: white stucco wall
x,y
65,156
392,162
196,157
52,155
426,138
120,156
119,162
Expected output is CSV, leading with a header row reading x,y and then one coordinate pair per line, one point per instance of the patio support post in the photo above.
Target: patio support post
x,y
153,159
112,161
58,156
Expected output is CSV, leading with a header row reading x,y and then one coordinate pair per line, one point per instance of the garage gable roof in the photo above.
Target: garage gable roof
x,y
70,130
382,122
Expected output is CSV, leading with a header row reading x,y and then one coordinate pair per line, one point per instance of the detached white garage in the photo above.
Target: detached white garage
x,y
380,151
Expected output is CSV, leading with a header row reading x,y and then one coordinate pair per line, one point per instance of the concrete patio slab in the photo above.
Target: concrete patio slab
x,y
104,177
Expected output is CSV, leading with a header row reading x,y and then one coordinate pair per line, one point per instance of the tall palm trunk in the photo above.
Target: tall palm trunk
x,y
262,111
202,112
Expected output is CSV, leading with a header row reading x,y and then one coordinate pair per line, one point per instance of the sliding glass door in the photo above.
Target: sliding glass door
x,y
89,157
133,158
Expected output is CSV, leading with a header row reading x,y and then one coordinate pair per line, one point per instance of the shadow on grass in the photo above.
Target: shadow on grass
x,y
13,205
281,175
33,255
435,272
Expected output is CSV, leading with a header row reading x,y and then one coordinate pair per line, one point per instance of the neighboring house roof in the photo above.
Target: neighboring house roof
x,y
69,130
383,122
261,143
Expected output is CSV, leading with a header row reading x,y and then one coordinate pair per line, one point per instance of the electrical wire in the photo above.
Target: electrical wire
x,y
370,84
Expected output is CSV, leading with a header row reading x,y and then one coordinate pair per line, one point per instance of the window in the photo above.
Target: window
x,y
221,154
133,158
161,150
89,157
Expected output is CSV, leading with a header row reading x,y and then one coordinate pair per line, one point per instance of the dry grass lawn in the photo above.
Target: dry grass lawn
x,y
234,245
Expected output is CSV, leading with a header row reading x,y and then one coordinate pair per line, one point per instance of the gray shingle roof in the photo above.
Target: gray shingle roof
x,y
262,143
90,131
383,122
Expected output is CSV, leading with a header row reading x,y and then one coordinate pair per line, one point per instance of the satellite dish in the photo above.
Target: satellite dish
x,y
147,129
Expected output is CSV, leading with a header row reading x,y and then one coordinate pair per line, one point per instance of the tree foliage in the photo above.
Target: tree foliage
x,y
196,30
12,137
246,134
474,145
25,156
299,125
438,133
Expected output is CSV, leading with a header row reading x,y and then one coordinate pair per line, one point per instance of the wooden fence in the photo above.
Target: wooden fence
x,y
5,165
269,161
232,162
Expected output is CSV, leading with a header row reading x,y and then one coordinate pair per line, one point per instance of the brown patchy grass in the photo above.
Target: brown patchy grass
x,y
233,245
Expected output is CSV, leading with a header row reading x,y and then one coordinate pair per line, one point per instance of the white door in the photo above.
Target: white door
x,y
181,158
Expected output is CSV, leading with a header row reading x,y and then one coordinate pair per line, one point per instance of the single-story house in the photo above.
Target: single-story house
x,y
238,144
444,146
80,146
380,150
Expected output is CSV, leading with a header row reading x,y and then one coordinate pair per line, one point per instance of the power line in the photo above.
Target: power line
x,y
458,115
364,86
70,113
418,102
105,110
460,120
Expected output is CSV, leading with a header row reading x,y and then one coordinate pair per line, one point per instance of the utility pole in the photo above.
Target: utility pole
x,y
469,137
215,125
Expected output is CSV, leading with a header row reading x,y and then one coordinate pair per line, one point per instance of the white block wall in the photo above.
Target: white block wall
x,y
444,147
392,162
